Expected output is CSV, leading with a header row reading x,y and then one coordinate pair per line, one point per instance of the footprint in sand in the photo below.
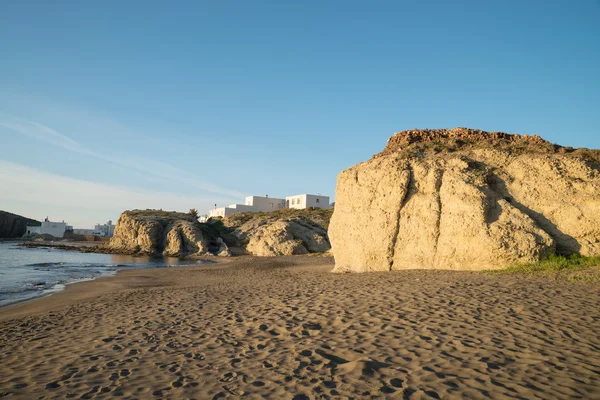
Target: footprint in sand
x,y
397,383
312,326
53,385
228,377
178,383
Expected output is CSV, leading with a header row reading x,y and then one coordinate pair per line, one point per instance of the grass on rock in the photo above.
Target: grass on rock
x,y
573,268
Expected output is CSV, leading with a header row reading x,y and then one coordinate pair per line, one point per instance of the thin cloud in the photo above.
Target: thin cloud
x,y
165,172
23,183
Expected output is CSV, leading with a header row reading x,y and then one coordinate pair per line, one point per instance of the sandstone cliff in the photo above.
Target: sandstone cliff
x,y
286,232
14,226
154,232
465,199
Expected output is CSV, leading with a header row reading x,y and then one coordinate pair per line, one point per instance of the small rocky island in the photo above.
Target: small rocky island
x,y
465,199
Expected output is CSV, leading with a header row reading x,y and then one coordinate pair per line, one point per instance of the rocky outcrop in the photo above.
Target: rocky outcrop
x,y
154,232
465,199
14,226
287,232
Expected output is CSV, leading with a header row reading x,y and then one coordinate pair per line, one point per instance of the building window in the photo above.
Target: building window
x,y
317,200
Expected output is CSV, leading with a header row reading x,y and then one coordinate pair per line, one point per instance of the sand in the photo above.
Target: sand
x,y
287,328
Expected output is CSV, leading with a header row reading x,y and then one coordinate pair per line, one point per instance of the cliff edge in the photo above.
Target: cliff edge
x,y
465,199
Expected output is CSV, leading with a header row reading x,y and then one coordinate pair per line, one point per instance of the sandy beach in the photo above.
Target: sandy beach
x,y
287,328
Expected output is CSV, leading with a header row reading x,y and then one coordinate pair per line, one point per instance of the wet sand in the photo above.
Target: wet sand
x,y
286,328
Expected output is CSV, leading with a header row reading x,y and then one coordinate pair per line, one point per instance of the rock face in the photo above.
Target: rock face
x,y
14,226
287,232
467,200
155,232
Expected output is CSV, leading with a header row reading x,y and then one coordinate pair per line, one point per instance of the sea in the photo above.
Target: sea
x,y
29,273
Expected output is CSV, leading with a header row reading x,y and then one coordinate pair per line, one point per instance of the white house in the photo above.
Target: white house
x,y
56,229
307,200
106,230
266,204
252,204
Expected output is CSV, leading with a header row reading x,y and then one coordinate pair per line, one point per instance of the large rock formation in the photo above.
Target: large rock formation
x,y
465,199
279,233
154,232
14,226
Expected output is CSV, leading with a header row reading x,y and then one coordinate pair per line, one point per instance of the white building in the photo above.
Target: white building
x,y
56,229
106,230
306,201
252,204
267,204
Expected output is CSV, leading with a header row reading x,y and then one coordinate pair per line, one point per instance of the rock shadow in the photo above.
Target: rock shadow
x,y
565,244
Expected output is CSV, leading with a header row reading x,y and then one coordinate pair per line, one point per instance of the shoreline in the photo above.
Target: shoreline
x,y
53,291
87,289
63,286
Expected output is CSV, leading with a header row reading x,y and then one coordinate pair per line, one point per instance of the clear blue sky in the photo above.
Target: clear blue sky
x,y
110,105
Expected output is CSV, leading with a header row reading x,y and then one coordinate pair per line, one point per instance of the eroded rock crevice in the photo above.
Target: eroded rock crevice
x,y
409,190
438,187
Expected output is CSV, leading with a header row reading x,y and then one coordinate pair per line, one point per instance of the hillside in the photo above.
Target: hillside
x,y
14,226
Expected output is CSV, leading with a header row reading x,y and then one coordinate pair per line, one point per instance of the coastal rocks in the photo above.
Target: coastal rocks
x,y
465,199
154,232
274,240
286,238
272,234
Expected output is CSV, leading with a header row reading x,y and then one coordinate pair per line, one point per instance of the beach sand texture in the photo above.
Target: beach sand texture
x,y
287,328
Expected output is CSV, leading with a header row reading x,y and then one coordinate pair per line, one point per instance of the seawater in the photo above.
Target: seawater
x,y
27,273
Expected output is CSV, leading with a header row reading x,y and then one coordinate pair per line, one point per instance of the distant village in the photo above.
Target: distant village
x,y
62,229
251,204
266,204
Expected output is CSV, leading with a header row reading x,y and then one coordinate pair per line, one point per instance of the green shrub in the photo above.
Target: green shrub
x,y
572,267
